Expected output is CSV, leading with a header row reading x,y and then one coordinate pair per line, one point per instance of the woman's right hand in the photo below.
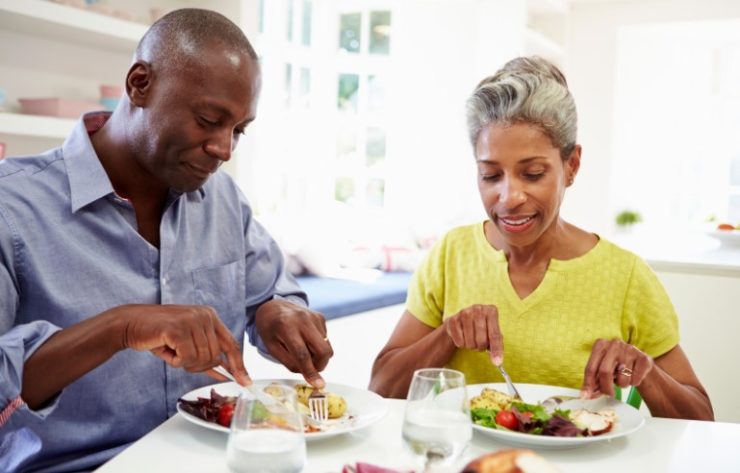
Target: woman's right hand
x,y
476,327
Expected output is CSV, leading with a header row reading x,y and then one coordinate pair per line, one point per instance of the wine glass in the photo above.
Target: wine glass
x,y
437,426
267,437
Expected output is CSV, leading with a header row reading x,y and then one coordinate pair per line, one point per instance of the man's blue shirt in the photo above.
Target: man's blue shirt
x,y
69,250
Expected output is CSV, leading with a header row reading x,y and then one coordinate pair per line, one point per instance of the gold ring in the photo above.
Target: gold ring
x,y
624,371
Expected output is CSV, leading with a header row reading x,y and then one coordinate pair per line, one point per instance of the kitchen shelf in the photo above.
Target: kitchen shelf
x,y
69,24
35,126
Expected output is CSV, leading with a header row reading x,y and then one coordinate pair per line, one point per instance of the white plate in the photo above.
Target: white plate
x,y
364,408
629,419
726,237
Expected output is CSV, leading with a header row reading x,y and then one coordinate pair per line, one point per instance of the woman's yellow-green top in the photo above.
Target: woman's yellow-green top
x,y
606,293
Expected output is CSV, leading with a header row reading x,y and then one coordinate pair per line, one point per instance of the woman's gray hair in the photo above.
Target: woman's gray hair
x,y
526,90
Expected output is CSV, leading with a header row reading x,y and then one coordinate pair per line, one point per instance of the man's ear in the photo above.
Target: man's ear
x,y
138,82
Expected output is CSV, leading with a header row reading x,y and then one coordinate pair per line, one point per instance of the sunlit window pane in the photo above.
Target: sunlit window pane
x,y
350,29
380,32
375,146
375,94
306,27
344,189
734,210
735,172
346,141
288,87
261,17
305,86
375,192
347,91
289,19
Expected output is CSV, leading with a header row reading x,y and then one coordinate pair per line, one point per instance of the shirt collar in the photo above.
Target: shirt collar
x,y
88,180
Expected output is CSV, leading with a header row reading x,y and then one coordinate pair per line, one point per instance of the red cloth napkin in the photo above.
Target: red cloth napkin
x,y
360,467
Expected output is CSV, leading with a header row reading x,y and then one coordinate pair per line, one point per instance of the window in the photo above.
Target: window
x,y
323,133
350,30
306,23
364,47
691,93
380,32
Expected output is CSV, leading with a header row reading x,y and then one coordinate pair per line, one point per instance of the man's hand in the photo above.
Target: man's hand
x,y
296,336
476,327
191,337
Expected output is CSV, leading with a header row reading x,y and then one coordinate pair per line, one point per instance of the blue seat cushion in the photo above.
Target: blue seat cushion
x,y
339,297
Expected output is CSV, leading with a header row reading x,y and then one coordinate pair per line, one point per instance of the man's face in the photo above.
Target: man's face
x,y
195,115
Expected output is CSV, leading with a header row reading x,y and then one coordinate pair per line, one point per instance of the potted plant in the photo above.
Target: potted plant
x,y
627,218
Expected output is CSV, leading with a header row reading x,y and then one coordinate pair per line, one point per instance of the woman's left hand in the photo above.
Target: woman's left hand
x,y
614,362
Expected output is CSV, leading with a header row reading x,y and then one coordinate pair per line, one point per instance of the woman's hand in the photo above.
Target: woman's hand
x,y
476,327
614,362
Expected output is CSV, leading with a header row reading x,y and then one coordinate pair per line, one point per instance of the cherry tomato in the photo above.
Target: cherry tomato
x,y
725,226
225,414
507,419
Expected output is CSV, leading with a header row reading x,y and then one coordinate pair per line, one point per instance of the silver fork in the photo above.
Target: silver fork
x,y
318,405
509,385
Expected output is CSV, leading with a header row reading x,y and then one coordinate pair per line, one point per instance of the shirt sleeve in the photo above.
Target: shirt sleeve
x,y
267,276
425,299
17,342
650,319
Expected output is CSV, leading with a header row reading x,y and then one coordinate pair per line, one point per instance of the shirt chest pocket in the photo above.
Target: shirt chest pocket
x,y
222,287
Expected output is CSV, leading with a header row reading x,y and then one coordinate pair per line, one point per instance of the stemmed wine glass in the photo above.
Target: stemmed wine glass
x,y
267,437
437,426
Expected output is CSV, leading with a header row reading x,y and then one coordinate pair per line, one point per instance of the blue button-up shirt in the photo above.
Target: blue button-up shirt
x,y
69,250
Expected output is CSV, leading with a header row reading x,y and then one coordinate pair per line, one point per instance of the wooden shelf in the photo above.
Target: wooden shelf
x,y
35,126
68,24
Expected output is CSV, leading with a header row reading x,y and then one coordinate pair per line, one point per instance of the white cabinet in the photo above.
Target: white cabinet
x,y
54,50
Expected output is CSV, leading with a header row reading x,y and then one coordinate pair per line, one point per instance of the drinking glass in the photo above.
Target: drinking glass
x,y
267,438
437,425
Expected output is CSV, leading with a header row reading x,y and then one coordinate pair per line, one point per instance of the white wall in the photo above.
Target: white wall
x,y
708,314
591,74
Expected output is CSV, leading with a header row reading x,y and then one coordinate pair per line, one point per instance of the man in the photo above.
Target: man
x,y
126,240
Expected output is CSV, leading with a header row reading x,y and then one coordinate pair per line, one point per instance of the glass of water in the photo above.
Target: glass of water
x,y
267,438
437,426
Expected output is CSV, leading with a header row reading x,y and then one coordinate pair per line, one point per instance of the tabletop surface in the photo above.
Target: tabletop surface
x,y
662,445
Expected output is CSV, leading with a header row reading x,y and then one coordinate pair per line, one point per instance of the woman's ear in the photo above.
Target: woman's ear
x,y
138,82
573,164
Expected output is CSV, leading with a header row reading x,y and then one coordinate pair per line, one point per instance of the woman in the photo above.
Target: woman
x,y
571,308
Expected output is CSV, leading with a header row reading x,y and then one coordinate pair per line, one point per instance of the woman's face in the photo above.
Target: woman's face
x,y
522,180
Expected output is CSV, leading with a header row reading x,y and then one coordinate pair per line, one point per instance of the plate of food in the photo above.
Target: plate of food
x,y
350,408
549,416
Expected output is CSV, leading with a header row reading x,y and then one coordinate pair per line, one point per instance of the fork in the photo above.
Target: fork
x,y
318,405
509,385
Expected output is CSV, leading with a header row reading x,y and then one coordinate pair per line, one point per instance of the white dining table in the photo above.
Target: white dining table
x,y
662,445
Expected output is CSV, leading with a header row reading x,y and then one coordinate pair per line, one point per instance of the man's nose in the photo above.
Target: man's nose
x,y
220,145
